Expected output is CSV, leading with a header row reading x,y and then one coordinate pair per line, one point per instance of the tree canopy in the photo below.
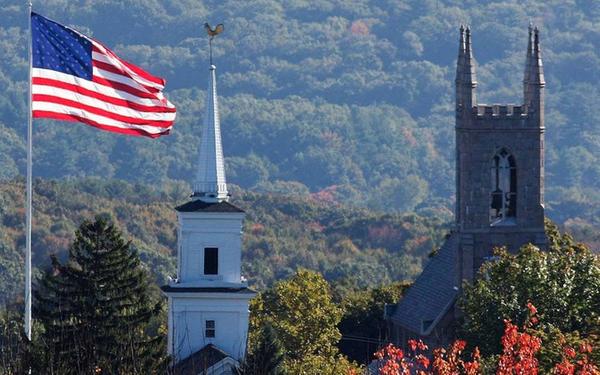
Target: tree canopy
x,y
563,283
281,232
304,320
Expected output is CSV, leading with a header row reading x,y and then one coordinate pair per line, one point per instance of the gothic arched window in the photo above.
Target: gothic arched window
x,y
503,207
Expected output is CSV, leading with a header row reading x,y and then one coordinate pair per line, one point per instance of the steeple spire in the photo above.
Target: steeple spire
x,y
210,184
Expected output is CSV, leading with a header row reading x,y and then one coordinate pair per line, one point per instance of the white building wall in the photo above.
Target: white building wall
x,y
189,314
201,230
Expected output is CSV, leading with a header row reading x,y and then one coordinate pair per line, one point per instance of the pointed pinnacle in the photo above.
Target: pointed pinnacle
x,y
537,68
469,64
468,39
528,61
461,55
528,66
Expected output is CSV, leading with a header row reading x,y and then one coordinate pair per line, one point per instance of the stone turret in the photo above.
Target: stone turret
x,y
535,99
466,78
528,67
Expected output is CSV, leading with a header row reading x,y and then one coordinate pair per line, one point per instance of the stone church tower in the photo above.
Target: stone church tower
x,y
499,163
208,301
499,195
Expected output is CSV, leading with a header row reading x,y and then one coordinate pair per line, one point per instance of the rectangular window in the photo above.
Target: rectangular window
x,y
211,261
210,328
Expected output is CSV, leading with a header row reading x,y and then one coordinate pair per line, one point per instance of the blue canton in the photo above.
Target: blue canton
x,y
58,48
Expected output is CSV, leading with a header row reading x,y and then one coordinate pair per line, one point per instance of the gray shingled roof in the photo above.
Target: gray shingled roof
x,y
178,289
201,206
432,294
199,361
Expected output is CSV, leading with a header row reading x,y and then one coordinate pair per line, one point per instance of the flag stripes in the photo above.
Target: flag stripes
x,y
119,96
44,85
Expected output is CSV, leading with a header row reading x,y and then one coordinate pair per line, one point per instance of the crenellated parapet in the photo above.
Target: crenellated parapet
x,y
467,107
499,116
499,111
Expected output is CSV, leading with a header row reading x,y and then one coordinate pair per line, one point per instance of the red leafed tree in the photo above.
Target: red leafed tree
x,y
518,354
519,350
574,364
444,362
449,362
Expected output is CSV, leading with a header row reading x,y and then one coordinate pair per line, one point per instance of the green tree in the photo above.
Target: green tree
x,y
96,307
304,318
303,314
562,282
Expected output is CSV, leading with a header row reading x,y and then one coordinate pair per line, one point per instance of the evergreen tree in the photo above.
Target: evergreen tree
x,y
15,351
96,307
266,358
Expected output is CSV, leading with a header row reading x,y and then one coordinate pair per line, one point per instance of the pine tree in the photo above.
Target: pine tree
x,y
266,358
15,350
96,307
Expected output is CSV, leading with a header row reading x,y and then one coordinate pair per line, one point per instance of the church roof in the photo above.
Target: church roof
x,y
202,206
201,360
432,294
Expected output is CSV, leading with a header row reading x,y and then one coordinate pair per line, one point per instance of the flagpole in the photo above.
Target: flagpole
x,y
29,194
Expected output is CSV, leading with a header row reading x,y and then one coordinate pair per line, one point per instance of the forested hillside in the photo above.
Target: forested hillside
x,y
349,98
353,247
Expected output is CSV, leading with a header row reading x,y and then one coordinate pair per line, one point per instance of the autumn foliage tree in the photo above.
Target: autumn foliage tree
x,y
394,361
304,319
520,348
563,282
574,363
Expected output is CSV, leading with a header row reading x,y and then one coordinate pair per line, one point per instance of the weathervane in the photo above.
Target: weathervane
x,y
212,33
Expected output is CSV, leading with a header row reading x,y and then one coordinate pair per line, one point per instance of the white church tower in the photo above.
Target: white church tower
x,y
208,302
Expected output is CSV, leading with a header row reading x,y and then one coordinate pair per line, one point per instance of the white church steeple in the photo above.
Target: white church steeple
x,y
208,300
210,184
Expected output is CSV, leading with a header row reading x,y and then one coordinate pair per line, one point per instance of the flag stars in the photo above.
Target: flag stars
x,y
58,48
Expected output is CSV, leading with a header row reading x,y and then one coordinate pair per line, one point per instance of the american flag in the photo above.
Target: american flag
x,y
76,78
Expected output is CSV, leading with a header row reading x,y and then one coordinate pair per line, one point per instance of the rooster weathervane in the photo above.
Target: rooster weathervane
x,y
212,33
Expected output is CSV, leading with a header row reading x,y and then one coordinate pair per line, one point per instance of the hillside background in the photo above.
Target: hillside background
x,y
337,104
354,248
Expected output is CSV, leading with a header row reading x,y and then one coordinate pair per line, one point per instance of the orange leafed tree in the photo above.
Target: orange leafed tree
x,y
518,357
